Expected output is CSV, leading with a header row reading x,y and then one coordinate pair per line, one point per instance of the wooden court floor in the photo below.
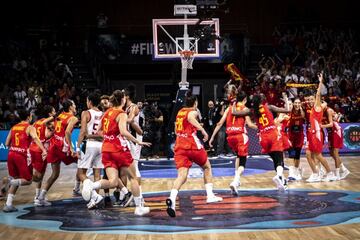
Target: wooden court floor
x,y
63,189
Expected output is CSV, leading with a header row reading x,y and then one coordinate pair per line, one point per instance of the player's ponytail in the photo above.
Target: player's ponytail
x,y
256,102
116,97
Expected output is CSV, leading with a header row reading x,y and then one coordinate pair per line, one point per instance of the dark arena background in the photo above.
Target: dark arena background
x,y
159,51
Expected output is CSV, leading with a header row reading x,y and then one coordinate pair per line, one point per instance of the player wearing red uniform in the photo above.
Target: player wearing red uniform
x,y
44,130
189,149
60,149
237,137
269,135
296,137
19,162
316,138
335,140
115,154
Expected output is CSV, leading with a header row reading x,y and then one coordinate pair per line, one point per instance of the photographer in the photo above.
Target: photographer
x,y
221,145
153,119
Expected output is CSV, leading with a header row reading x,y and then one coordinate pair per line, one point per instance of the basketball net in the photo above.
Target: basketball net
x,y
187,59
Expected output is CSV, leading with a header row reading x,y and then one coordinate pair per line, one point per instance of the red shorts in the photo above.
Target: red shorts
x,y
185,157
239,144
18,166
37,162
285,141
55,155
296,139
316,142
270,141
335,141
116,160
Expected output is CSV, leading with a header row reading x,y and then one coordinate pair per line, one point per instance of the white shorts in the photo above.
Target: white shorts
x,y
135,151
92,156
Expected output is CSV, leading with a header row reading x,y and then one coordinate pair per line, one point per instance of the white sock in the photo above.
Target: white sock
x,y
140,190
173,195
337,172
123,192
10,199
42,194
279,171
96,185
77,185
15,182
138,201
209,189
238,174
37,192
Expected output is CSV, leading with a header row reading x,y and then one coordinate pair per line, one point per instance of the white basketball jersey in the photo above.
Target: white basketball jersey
x,y
95,119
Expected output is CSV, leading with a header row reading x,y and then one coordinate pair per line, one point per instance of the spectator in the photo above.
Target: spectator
x,y
19,96
30,102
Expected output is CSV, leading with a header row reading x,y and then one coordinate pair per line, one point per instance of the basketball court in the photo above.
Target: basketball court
x,y
306,211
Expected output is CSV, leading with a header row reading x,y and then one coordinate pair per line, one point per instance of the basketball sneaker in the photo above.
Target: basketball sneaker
x,y
108,202
95,202
87,190
344,174
128,198
141,210
314,178
43,203
76,192
234,188
280,183
329,177
9,209
213,199
170,208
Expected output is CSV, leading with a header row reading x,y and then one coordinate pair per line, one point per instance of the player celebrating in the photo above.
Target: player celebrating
x,y
296,137
188,149
335,140
60,149
269,135
91,158
44,130
20,169
316,137
236,136
115,154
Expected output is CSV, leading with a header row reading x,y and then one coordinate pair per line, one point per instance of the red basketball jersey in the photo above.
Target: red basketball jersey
x,y
266,119
61,124
185,132
113,140
20,141
40,127
235,125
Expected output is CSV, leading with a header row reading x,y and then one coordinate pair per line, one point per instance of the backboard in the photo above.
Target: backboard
x,y
170,36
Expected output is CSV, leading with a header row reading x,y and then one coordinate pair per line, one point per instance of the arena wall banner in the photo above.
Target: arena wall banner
x,y
351,140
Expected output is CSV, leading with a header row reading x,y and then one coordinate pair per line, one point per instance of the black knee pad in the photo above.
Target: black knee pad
x,y
242,160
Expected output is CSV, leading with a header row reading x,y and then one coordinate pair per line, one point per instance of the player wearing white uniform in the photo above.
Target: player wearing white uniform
x,y
91,157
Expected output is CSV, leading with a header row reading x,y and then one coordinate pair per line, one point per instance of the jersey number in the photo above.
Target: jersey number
x,y
179,124
106,124
95,125
263,120
38,131
17,140
58,127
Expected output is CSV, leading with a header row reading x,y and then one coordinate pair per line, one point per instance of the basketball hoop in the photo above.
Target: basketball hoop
x,y
187,59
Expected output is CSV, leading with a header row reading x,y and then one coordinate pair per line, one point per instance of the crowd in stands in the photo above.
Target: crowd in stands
x,y
31,78
300,53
